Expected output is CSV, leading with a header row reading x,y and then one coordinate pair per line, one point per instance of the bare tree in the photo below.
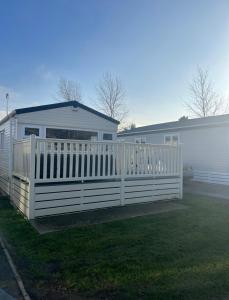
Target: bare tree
x,y
129,126
183,118
111,97
69,90
204,100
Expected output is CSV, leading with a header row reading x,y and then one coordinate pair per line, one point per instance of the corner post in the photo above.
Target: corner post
x,y
181,170
123,172
11,161
32,176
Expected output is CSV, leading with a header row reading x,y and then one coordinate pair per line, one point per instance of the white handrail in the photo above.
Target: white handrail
x,y
104,142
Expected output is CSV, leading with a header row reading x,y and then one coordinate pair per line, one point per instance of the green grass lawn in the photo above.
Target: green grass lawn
x,y
181,254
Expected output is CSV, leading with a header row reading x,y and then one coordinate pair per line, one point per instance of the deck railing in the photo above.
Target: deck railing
x,y
54,160
21,159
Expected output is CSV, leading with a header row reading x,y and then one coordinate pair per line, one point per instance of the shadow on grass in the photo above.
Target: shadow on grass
x,y
178,255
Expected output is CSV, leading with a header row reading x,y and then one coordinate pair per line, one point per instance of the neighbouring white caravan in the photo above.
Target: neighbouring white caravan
x,y
205,144
65,157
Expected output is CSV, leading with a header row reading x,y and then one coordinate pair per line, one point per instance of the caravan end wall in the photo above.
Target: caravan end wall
x,y
7,133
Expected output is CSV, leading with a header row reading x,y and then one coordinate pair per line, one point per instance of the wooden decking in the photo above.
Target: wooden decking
x,y
62,176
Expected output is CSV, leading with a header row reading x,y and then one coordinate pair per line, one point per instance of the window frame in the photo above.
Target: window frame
x,y
171,135
31,126
2,139
73,129
142,140
110,133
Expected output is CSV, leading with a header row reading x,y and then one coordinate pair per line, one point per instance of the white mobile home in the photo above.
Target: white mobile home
x,y
205,144
64,157
64,120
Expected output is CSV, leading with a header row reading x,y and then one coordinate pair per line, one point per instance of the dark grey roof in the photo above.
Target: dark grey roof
x,y
181,124
75,104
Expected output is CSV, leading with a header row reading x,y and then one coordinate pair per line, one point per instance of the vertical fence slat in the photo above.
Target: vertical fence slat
x,y
138,159
71,161
135,161
82,161
103,159
51,153
45,161
94,151
150,161
64,155
99,161
58,160
108,159
152,154
38,156
88,159
115,160
76,160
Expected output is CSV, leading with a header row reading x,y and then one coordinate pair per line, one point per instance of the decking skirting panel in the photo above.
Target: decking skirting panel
x,y
139,191
58,199
211,177
20,195
66,198
4,184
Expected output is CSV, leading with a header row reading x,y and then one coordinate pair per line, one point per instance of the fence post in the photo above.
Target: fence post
x,y
32,175
181,170
123,172
11,158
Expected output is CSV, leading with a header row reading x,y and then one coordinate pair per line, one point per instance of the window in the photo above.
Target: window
x,y
172,139
167,139
107,137
32,130
2,138
140,140
70,134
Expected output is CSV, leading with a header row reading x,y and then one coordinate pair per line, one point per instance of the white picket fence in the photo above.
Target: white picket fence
x,y
95,166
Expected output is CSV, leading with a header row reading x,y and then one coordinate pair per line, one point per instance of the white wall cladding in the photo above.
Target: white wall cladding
x,y
67,117
20,195
206,149
65,198
211,177
4,170
5,155
154,138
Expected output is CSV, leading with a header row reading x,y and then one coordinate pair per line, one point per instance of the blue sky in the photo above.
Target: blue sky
x,y
153,46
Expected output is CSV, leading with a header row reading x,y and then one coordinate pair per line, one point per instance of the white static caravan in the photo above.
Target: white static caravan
x,y
65,120
64,157
205,144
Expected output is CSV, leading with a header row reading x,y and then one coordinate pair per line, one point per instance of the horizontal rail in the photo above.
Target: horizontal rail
x,y
104,142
